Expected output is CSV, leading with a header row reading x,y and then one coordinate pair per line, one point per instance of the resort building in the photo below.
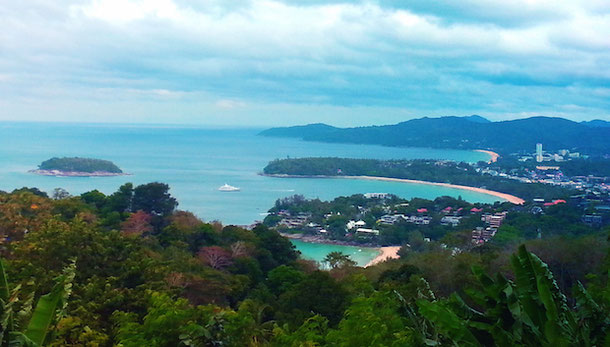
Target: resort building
x,y
367,231
376,195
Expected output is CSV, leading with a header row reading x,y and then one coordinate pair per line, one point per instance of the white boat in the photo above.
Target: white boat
x,y
228,188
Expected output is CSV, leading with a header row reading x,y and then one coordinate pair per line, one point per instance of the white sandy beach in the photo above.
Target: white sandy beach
x,y
385,253
494,155
507,197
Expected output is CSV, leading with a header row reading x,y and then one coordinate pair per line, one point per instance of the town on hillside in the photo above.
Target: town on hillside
x,y
380,219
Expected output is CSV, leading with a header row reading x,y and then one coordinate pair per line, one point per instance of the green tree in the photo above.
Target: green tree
x,y
338,260
317,293
153,198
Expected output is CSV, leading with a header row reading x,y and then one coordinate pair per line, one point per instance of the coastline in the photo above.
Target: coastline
x,y
320,239
385,253
494,155
510,198
59,173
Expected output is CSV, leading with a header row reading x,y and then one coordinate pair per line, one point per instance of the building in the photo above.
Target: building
x,y
367,231
494,221
539,157
451,220
376,195
480,235
392,219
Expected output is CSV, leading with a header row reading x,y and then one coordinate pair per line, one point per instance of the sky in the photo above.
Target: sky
x,y
265,63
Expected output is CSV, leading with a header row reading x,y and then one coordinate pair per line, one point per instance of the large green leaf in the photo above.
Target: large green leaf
x,y
447,322
50,306
4,291
44,314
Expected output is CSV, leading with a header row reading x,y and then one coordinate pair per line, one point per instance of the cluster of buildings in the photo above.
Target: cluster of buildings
x,y
391,219
542,156
360,227
493,222
552,174
290,221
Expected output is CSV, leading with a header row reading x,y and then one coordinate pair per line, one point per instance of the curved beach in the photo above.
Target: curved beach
x,y
385,253
494,155
510,198
507,197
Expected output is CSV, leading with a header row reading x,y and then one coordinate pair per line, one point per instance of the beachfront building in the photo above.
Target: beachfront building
x,y
367,231
353,224
376,195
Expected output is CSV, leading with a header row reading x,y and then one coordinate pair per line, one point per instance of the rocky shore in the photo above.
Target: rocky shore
x,y
76,173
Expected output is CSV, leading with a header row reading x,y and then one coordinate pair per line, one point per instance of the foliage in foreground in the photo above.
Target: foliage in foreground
x,y
148,275
37,322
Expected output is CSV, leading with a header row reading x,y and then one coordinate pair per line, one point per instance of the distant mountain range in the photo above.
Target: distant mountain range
x,y
597,123
472,132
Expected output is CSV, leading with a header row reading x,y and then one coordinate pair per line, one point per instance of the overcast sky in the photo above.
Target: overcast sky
x,y
265,63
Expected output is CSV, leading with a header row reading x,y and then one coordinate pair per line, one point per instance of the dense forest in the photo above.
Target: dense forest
x,y
130,269
419,169
77,164
520,135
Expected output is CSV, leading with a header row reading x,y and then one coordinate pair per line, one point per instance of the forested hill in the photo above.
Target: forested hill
x,y
76,164
420,169
465,133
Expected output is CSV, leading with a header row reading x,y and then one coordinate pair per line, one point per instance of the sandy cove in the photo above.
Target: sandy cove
x,y
385,253
494,155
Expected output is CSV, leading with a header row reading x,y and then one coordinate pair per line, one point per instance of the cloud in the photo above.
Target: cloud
x,y
229,104
182,61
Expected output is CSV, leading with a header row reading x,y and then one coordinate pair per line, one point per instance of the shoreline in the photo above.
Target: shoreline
x,y
322,240
510,198
58,173
384,252
494,155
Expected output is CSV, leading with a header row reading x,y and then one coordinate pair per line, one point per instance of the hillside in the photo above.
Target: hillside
x,y
129,269
425,170
464,133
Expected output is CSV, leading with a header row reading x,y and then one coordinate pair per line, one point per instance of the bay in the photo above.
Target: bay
x,y
317,251
196,161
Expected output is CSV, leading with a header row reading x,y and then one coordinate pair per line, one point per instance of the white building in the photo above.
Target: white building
x,y
376,195
539,157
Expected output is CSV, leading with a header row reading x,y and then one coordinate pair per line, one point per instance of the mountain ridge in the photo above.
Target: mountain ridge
x,y
520,135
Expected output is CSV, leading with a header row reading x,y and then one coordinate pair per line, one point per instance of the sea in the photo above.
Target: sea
x,y
195,161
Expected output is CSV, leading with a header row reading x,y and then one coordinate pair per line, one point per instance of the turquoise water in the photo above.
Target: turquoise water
x,y
317,251
195,162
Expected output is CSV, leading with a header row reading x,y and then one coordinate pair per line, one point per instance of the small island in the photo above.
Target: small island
x,y
78,167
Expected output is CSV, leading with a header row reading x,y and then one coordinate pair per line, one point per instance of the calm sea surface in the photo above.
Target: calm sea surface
x,y
196,161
